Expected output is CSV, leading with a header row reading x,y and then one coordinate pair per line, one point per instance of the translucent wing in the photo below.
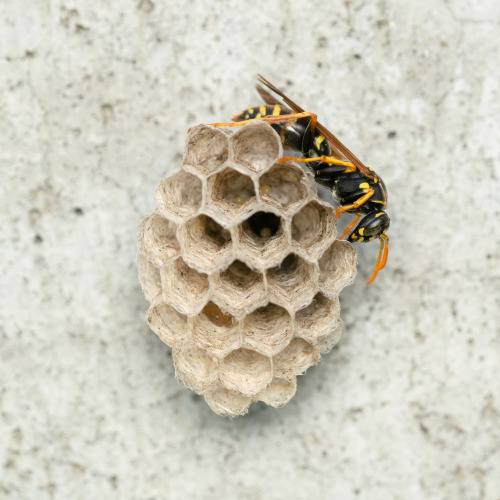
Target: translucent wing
x,y
338,148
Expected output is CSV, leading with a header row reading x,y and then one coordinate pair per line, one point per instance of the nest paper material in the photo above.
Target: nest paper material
x,y
242,268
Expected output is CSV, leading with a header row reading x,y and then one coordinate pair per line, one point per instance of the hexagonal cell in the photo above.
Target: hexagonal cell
x,y
246,371
157,239
228,403
231,196
149,278
295,359
293,282
214,331
207,148
206,245
238,288
256,146
318,319
195,369
337,268
167,323
262,240
326,342
314,228
284,185
267,330
278,393
179,195
184,288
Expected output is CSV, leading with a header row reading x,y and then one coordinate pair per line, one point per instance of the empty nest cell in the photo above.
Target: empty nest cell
x,y
183,287
231,187
207,149
157,239
179,195
238,288
293,282
278,392
246,371
268,329
256,146
206,245
231,196
318,319
195,369
167,323
285,184
314,227
295,359
228,403
337,267
214,331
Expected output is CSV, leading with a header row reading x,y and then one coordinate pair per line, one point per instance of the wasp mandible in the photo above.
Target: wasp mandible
x,y
357,188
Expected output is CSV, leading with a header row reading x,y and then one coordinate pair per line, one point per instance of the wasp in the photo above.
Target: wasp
x,y
357,188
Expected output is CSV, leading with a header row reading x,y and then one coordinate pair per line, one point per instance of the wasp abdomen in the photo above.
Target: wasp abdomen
x,y
260,111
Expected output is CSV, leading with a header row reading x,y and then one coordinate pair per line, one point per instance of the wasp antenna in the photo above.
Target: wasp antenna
x,y
381,259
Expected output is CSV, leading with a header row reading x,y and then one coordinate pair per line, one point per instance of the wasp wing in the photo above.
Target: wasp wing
x,y
338,148
295,107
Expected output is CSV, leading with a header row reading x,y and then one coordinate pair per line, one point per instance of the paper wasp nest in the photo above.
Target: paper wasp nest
x,y
242,268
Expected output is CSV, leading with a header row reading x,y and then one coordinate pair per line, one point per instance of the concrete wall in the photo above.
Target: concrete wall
x,y
95,101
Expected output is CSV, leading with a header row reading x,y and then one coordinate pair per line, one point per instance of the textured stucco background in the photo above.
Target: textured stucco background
x,y
95,101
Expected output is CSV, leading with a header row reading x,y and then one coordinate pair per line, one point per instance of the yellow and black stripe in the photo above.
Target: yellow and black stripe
x,y
260,111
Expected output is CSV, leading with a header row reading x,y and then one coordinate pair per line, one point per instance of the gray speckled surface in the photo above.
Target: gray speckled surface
x,y
94,105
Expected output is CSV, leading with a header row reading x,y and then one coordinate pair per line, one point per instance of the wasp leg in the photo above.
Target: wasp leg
x,y
381,259
270,119
356,204
324,159
349,228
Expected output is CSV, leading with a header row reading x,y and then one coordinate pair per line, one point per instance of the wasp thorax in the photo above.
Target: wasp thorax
x,y
242,269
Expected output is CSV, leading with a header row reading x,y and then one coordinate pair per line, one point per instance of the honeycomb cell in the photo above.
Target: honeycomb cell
x,y
314,228
231,196
184,288
206,245
267,330
326,342
157,239
179,195
246,371
256,147
262,240
238,289
167,323
293,282
285,186
215,337
207,149
149,278
318,319
295,359
337,268
195,369
278,393
228,403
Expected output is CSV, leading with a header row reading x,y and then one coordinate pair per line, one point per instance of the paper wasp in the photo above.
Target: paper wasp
x,y
357,188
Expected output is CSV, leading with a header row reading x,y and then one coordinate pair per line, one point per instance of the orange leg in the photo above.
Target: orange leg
x,y
356,204
271,119
324,159
381,259
350,227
